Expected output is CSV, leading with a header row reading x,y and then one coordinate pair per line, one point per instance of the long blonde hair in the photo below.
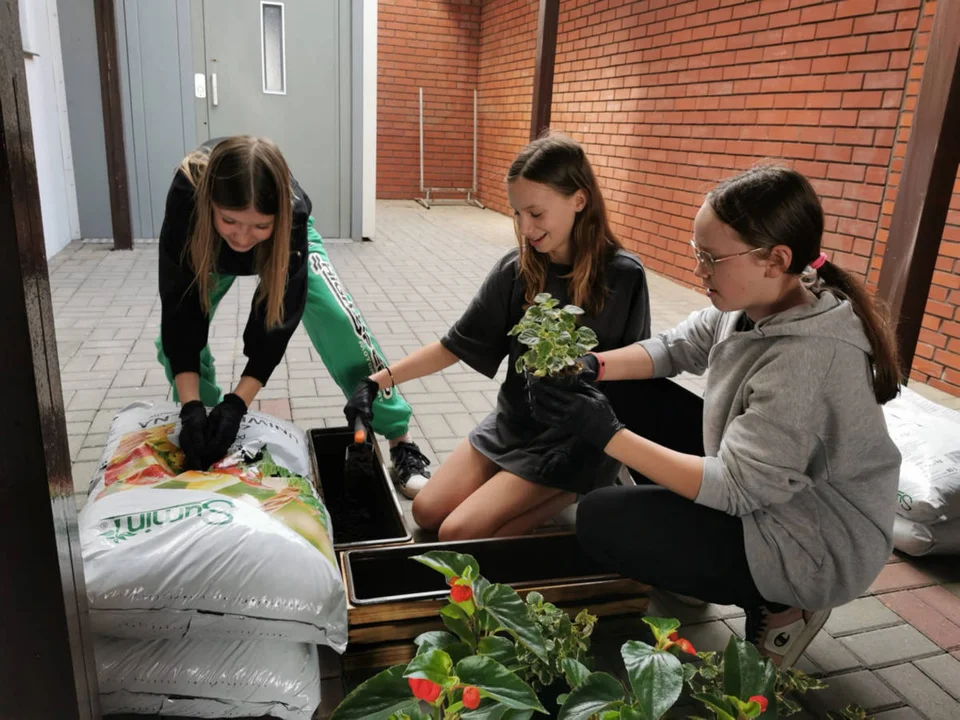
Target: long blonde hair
x,y
559,161
242,172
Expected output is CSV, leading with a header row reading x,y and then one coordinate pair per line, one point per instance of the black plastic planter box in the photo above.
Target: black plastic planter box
x,y
388,575
365,512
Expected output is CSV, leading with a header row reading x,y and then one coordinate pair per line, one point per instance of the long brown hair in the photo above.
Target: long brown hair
x,y
770,205
242,172
559,161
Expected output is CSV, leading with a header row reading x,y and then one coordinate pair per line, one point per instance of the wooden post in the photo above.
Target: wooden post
x,y
106,24
547,21
46,659
926,185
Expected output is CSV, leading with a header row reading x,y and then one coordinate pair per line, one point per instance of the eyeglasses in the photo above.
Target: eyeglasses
x,y
709,262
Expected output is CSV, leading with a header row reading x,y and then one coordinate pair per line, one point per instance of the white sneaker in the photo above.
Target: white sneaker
x,y
409,468
783,636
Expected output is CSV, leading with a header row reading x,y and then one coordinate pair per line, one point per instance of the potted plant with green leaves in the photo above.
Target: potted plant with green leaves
x,y
555,342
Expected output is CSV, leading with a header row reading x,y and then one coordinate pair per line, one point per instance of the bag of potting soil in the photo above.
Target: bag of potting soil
x,y
918,539
241,552
208,678
928,437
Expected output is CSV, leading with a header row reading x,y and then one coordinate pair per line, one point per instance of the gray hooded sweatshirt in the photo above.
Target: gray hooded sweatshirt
x,y
796,445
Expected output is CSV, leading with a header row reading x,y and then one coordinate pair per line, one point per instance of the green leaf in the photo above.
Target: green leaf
x,y
717,704
574,671
743,669
378,698
630,713
461,629
509,610
434,639
597,693
434,665
540,298
494,680
662,627
451,564
573,310
498,648
492,710
655,675
529,337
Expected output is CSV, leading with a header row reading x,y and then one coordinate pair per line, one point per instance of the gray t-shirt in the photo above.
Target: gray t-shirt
x,y
510,436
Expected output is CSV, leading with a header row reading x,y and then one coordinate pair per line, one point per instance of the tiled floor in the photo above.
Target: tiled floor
x,y
895,651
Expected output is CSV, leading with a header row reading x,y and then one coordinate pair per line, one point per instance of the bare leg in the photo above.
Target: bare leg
x,y
462,473
503,501
535,517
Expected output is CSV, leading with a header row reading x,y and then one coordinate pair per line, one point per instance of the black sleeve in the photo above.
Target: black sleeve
x,y
184,325
265,348
479,337
637,326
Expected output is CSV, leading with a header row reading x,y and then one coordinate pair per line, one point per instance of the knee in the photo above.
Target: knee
x,y
594,518
427,515
453,529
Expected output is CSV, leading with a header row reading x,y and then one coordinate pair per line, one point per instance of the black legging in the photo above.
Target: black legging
x,y
654,535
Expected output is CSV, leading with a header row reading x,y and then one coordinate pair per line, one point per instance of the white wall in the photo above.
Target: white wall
x,y
368,221
48,116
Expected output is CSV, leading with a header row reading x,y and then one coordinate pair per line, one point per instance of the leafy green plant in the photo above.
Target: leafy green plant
x,y
564,639
655,680
468,672
553,337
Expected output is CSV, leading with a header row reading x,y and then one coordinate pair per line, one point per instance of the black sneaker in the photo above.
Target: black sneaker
x,y
409,468
783,634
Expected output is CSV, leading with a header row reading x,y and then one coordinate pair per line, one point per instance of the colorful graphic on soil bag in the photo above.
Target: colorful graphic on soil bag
x,y
148,458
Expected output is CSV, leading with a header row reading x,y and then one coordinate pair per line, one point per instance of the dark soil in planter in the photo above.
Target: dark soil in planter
x,y
387,574
363,509
548,697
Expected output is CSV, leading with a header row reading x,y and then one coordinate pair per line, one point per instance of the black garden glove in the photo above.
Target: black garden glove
x,y
223,426
579,408
193,434
360,404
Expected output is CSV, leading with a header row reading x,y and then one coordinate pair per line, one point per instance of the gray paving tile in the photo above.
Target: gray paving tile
x,y
861,688
861,615
921,692
889,646
943,670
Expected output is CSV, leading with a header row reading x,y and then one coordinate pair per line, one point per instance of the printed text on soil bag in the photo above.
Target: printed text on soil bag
x,y
123,527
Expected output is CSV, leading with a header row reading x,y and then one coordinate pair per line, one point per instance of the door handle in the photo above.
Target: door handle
x,y
214,95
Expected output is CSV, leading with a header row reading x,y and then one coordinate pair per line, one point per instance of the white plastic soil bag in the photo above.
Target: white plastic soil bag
x,y
208,678
241,552
928,436
918,539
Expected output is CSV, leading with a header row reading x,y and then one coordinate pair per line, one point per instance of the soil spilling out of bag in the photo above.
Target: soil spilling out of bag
x,y
358,498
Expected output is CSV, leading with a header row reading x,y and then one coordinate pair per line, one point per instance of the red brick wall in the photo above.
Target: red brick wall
x,y
668,97
937,361
508,46
431,44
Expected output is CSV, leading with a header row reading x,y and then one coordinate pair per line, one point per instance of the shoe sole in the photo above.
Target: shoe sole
x,y
814,625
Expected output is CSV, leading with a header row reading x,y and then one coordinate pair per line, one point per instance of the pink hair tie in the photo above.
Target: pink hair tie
x,y
818,263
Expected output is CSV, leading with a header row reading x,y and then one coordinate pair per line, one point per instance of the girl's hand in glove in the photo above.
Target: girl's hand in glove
x,y
223,425
360,404
193,435
580,409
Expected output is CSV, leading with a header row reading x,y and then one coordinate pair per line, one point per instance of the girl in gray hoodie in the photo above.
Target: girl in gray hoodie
x,y
789,510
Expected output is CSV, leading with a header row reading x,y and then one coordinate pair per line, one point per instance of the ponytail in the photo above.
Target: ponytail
x,y
884,359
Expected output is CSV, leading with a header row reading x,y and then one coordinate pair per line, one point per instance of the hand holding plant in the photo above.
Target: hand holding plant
x,y
556,343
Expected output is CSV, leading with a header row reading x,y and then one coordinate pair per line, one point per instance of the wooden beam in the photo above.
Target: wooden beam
x,y
547,21
106,25
46,657
926,184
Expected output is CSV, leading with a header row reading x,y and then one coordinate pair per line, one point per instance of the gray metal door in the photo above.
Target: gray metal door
x,y
157,74
282,70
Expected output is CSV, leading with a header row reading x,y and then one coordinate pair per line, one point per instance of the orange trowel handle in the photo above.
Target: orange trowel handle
x,y
359,431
